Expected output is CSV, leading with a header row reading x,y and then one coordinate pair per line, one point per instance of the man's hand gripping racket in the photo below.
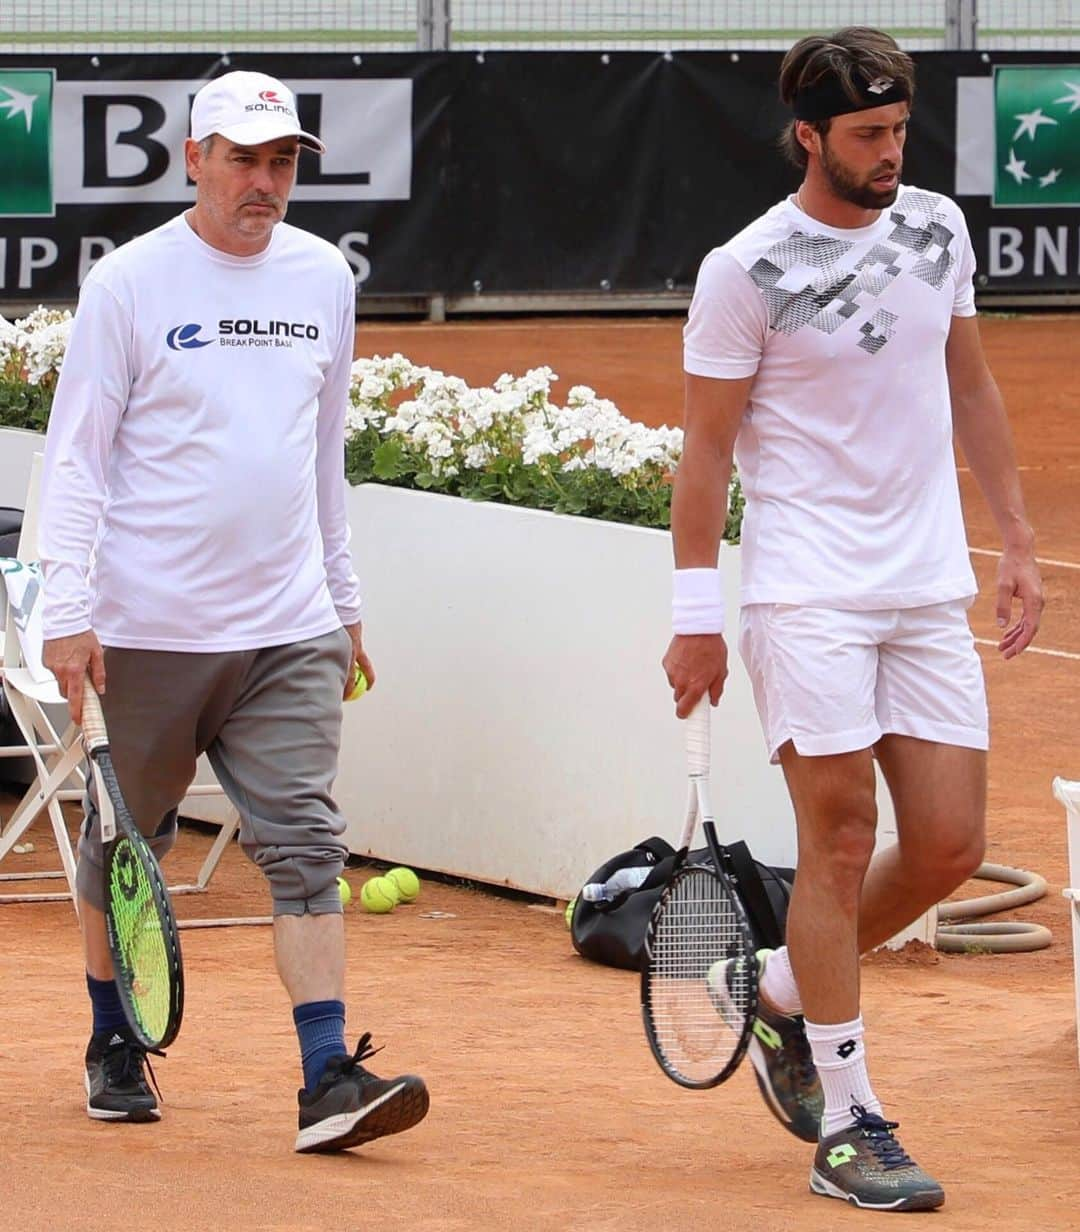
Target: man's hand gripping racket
x,y
143,936
699,977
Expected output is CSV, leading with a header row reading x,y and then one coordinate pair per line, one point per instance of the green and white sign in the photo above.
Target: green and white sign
x,y
26,187
1037,135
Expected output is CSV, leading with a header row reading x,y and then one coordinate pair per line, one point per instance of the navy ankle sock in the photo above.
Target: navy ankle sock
x,y
321,1028
108,1012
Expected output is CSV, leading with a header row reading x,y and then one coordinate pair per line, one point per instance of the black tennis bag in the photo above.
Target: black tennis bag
x,y
613,933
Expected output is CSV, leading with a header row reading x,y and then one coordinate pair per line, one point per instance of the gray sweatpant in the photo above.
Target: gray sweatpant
x,y
269,721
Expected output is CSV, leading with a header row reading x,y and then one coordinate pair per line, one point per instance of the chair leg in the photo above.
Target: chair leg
x,y
213,856
43,795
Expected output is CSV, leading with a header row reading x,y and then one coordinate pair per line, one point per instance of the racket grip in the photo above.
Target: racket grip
x,y
93,719
698,738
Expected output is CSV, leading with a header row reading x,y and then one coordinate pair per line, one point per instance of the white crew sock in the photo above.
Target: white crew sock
x,y
778,983
840,1058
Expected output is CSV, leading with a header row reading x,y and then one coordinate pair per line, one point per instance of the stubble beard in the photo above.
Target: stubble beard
x,y
847,187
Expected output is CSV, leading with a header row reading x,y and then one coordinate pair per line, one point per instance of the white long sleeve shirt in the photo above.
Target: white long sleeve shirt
x,y
193,494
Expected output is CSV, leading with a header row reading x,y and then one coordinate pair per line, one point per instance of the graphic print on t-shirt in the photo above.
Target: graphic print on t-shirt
x,y
802,283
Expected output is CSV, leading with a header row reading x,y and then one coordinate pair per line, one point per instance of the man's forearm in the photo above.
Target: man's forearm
x,y
982,429
699,506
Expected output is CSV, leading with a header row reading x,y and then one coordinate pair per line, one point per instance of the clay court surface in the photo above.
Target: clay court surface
x,y
547,1110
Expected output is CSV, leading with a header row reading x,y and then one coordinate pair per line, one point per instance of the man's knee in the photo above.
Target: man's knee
x,y
90,873
303,881
837,821
944,852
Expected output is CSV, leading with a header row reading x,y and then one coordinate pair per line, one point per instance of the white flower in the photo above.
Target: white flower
x,y
476,457
537,443
436,438
43,318
579,394
45,346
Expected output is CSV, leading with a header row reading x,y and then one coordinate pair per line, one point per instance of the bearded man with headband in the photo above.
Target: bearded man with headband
x,y
832,345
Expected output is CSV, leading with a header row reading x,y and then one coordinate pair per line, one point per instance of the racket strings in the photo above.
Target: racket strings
x,y
702,984
145,965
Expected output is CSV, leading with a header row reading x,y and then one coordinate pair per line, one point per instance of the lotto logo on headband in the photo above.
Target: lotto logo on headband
x,y
880,85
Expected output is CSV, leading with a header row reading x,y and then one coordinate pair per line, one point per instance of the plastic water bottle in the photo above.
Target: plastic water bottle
x,y
619,882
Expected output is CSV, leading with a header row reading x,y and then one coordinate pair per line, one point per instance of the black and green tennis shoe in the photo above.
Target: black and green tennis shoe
x,y
780,1054
865,1165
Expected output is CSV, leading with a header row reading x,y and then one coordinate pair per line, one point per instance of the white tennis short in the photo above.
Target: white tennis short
x,y
835,681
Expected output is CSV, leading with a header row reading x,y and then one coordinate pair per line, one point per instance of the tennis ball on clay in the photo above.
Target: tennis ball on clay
x,y
378,895
570,911
345,890
359,684
406,883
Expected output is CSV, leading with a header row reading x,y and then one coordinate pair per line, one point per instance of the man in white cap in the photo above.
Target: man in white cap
x,y
196,555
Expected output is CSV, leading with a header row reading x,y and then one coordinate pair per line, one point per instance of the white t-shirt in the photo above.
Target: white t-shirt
x,y
845,449
195,448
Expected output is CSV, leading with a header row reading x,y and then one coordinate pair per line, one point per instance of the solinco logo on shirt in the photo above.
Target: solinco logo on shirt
x,y
242,332
186,338
26,139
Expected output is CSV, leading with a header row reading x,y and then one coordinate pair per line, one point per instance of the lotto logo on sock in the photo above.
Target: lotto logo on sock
x,y
846,1049
26,189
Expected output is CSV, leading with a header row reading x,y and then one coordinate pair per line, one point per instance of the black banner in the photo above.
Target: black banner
x,y
521,172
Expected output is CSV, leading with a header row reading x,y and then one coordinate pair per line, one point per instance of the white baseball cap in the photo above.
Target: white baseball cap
x,y
248,108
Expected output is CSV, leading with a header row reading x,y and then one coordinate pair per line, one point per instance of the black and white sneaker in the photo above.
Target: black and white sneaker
x,y
350,1106
865,1165
116,1086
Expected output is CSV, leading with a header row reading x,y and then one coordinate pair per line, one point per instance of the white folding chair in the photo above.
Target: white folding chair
x,y
57,758
31,694
1069,795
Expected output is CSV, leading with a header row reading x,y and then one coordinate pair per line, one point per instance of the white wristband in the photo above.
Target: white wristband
x,y
697,603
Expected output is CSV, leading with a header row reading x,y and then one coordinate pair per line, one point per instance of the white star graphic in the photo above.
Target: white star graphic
x,y
1030,121
1073,97
19,104
1051,177
1015,168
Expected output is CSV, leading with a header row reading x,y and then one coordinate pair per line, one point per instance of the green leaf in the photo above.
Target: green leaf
x,y
389,459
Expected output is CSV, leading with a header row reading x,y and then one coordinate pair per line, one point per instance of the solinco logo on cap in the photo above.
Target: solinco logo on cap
x,y
26,139
269,101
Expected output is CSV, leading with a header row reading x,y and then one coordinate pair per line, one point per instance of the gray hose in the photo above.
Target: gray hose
x,y
994,938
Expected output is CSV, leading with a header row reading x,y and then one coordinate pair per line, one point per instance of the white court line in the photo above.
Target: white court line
x,y
1057,654
1039,560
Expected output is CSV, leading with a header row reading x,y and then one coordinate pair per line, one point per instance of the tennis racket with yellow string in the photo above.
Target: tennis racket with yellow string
x,y
143,936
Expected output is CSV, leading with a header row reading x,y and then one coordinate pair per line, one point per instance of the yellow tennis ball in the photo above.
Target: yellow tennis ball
x,y
377,896
359,685
345,890
406,882
570,911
